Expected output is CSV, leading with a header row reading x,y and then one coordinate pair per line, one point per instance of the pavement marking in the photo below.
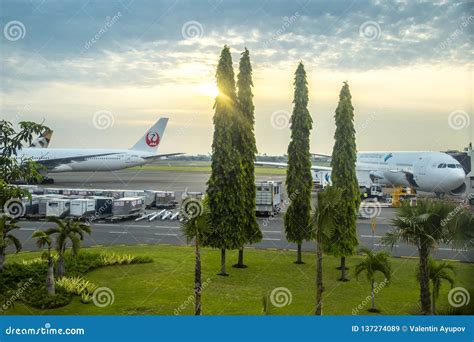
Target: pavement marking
x,y
139,225
382,245
166,227
268,239
166,234
451,249
107,224
117,232
369,236
271,231
27,229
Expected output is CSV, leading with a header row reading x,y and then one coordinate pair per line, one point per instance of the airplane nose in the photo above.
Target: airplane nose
x,y
456,179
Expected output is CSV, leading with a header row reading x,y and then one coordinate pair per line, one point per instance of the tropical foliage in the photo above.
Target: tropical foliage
x,y
299,181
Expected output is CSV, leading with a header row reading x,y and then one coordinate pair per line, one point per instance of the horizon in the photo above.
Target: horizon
x,y
116,67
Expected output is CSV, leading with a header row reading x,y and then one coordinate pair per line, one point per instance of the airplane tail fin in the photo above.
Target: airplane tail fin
x,y
152,138
42,141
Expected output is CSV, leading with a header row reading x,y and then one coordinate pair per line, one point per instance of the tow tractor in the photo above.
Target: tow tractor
x,y
374,191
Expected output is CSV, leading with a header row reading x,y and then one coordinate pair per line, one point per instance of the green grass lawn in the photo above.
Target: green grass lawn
x,y
199,167
161,287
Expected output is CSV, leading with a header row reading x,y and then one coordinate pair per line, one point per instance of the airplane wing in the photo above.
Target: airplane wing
x,y
52,163
313,167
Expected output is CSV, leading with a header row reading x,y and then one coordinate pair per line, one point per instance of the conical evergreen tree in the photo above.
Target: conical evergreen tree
x,y
343,176
247,147
299,181
226,181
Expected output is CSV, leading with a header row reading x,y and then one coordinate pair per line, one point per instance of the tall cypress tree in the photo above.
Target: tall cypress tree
x,y
226,181
299,181
343,176
248,149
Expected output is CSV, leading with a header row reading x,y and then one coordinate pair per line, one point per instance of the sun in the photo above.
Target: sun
x,y
208,89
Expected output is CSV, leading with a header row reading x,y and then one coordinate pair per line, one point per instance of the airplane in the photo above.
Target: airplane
x,y
43,140
434,172
56,160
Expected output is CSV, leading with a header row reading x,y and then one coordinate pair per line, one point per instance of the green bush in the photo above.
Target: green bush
x,y
38,298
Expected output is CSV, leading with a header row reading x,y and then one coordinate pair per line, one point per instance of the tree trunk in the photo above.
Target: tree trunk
x,y
2,258
433,303
223,270
60,268
319,281
299,259
343,269
373,295
424,280
197,280
50,286
240,261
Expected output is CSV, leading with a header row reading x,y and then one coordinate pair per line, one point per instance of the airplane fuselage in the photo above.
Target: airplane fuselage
x,y
425,171
94,159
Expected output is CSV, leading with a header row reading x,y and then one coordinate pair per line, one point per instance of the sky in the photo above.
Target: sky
x,y
99,73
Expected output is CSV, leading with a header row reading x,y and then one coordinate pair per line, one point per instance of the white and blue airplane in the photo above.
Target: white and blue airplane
x,y
425,171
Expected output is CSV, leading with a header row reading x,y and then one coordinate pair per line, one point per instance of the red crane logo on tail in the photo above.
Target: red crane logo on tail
x,y
152,139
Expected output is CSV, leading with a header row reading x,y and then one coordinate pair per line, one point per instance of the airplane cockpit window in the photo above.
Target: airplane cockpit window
x,y
441,166
451,166
458,166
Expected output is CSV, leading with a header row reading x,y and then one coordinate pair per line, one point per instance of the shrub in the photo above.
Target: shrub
x,y
76,285
38,298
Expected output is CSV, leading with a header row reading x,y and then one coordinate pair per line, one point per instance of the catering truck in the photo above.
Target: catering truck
x,y
269,197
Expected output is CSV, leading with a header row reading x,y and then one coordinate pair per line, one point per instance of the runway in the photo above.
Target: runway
x,y
168,232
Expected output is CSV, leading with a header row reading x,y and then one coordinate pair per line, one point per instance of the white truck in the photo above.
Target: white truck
x,y
269,197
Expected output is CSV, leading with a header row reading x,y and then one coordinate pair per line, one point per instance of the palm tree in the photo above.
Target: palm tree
x,y
195,227
7,224
372,264
43,239
439,271
67,230
424,225
324,226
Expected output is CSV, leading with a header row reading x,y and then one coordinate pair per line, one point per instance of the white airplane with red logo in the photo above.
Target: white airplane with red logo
x,y
73,160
